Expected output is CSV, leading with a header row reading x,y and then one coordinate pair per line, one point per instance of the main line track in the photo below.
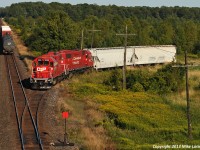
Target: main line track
x,y
26,113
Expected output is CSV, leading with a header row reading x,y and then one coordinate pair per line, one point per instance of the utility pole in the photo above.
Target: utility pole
x,y
125,49
188,98
187,94
93,30
82,38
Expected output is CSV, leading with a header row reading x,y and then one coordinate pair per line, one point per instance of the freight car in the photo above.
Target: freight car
x,y
136,55
52,67
8,44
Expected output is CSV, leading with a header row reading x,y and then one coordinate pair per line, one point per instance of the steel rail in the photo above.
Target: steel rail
x,y
15,104
19,121
28,106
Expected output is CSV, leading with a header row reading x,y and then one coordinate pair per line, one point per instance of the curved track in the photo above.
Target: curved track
x,y
26,119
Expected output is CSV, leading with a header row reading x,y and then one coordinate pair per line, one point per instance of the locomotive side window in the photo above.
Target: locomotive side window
x,y
68,55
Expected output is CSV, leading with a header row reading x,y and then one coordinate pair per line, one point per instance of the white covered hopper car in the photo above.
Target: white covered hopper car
x,y
136,55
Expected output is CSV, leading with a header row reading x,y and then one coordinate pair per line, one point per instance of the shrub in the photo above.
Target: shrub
x,y
114,80
165,80
137,87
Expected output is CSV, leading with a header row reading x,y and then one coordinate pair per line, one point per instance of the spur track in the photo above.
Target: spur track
x,y
26,111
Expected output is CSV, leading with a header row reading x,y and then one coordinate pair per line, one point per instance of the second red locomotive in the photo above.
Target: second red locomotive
x,y
52,67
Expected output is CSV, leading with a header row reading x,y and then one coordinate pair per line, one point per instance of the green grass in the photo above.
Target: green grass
x,y
137,119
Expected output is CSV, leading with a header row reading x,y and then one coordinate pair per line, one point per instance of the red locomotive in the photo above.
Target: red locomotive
x,y
52,67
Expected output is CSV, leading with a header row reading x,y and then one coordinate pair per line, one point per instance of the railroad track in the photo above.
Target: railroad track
x,y
26,111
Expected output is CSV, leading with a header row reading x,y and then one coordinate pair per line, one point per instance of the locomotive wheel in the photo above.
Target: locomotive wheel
x,y
34,86
54,81
70,75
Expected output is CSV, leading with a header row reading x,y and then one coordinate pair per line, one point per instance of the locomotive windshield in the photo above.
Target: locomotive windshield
x,y
46,62
43,62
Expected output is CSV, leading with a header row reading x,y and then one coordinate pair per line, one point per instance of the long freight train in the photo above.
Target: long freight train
x,y
8,44
52,67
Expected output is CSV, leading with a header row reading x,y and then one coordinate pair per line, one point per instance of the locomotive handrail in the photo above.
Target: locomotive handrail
x,y
66,68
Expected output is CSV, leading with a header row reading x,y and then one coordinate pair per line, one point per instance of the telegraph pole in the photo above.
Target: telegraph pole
x,y
125,49
82,38
187,94
188,98
93,30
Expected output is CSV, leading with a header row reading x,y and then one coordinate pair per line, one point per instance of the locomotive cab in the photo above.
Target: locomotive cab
x,y
42,73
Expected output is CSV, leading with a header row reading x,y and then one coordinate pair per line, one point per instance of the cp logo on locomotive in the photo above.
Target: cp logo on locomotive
x,y
41,68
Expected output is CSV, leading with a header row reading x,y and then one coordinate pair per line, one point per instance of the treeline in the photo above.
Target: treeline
x,y
54,26
81,11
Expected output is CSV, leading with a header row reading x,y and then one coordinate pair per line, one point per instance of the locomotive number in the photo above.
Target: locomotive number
x,y
75,62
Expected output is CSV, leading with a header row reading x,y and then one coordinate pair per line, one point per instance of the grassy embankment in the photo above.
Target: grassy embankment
x,y
134,119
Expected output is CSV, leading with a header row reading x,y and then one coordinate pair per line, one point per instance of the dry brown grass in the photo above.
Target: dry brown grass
x,y
95,135
62,106
194,80
96,139
194,73
85,120
178,99
23,50
93,131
